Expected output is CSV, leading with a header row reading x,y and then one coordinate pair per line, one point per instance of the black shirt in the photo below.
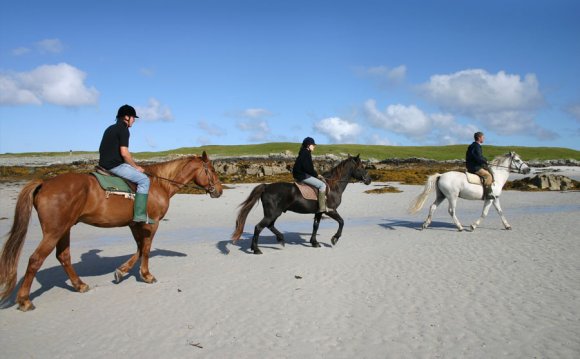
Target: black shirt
x,y
303,167
474,159
115,136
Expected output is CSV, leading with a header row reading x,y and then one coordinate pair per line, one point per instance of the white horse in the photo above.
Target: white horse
x,y
453,185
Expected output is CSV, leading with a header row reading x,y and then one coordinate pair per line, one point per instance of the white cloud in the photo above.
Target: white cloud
x,y
60,84
210,129
154,111
574,110
406,120
250,113
415,124
20,51
259,129
338,130
384,74
505,103
53,46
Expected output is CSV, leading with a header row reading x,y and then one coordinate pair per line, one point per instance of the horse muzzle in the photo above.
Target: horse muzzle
x,y
215,192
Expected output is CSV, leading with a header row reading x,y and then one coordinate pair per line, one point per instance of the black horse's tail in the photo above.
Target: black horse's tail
x,y
247,206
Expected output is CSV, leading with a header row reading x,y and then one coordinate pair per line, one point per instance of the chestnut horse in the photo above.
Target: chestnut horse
x,y
280,197
67,199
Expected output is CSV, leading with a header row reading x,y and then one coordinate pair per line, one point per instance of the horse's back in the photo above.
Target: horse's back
x,y
455,183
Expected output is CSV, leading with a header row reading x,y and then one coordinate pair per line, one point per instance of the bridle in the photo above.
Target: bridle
x,y
512,170
210,188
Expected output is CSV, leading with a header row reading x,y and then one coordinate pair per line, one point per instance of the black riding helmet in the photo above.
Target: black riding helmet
x,y
126,110
308,141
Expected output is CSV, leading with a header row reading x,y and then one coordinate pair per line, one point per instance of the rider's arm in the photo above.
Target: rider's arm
x,y
129,159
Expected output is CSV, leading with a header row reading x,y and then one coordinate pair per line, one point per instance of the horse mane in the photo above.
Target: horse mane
x,y
338,171
169,169
499,159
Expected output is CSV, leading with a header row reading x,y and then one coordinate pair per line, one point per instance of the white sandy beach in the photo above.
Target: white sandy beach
x,y
386,290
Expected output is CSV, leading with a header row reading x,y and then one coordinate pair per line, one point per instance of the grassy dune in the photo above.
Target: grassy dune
x,y
438,153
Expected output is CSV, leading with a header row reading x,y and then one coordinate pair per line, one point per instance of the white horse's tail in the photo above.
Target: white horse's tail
x,y
419,201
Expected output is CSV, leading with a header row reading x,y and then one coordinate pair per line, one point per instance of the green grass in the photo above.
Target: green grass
x,y
438,153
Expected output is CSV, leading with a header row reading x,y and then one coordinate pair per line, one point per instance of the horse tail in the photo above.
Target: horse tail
x,y
247,206
419,201
13,246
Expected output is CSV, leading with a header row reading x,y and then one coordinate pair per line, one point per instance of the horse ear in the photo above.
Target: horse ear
x,y
204,157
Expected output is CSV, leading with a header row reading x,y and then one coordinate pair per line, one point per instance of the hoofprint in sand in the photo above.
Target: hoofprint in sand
x,y
386,290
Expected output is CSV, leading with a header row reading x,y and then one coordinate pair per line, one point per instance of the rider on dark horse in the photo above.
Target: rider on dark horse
x,y
476,163
303,171
114,156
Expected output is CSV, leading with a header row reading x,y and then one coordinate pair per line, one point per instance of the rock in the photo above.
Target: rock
x,y
547,181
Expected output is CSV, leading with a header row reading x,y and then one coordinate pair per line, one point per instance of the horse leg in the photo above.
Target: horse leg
x,y
63,256
279,236
500,212
334,215
313,241
126,267
265,222
486,206
34,263
451,210
440,197
144,233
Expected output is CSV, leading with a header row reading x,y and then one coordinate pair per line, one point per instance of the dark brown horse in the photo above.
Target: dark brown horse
x,y
278,198
65,200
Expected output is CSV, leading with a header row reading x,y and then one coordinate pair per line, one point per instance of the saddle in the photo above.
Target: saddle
x,y
113,184
309,192
475,179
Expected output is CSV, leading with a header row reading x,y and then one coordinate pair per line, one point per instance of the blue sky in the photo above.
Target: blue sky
x,y
239,72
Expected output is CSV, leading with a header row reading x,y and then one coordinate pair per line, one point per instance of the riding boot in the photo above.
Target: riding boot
x,y
321,201
140,209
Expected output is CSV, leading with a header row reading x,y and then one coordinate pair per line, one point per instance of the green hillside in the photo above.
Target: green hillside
x,y
377,152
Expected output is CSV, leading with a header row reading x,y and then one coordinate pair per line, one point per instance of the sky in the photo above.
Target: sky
x,y
230,72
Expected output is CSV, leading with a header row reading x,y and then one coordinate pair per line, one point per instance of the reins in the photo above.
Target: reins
x,y
210,188
518,170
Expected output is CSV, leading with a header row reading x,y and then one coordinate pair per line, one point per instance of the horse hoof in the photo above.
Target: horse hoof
x,y
26,306
257,251
282,243
149,279
473,228
509,228
83,288
119,276
315,245
334,240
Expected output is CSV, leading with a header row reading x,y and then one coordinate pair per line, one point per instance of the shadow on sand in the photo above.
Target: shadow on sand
x,y
90,265
269,242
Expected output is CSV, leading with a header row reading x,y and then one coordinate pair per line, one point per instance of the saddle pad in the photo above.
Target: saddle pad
x,y
473,178
112,183
308,192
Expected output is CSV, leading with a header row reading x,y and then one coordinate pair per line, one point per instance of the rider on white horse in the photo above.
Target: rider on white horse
x,y
476,163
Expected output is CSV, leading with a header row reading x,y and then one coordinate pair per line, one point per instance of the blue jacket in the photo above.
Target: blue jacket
x,y
474,160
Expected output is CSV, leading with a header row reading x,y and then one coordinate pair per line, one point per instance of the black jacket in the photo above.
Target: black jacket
x,y
474,160
303,167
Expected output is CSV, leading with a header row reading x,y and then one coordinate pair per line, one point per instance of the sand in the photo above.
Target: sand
x,y
386,290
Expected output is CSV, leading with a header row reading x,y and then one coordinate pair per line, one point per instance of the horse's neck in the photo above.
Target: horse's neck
x,y
500,173
178,174
341,182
